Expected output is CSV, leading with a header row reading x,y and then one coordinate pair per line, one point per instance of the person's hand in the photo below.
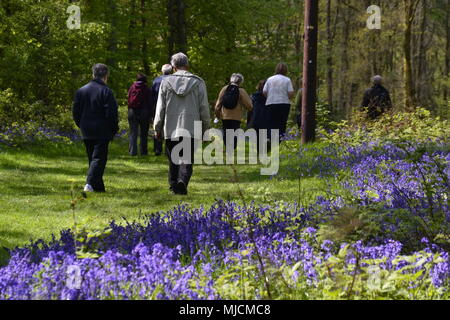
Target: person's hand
x,y
158,135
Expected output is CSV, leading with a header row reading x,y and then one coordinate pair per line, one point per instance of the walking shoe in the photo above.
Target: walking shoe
x,y
181,188
88,188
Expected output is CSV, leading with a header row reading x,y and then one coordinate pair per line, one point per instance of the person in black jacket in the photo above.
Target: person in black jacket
x,y
261,114
376,99
95,112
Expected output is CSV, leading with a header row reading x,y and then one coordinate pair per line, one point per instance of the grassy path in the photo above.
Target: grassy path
x,y
35,186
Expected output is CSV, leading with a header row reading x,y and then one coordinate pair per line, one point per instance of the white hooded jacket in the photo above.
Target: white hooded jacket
x,y
182,100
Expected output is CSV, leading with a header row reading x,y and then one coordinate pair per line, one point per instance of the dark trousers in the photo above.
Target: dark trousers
x,y
97,152
158,146
178,171
230,125
279,114
139,121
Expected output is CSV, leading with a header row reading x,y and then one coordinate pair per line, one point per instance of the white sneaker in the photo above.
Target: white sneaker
x,y
88,188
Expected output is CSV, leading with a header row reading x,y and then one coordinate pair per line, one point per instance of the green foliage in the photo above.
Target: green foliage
x,y
419,125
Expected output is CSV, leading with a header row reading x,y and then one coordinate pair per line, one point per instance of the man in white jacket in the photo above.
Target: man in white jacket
x,y
182,101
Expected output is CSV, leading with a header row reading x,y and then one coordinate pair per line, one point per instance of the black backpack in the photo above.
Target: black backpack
x,y
230,98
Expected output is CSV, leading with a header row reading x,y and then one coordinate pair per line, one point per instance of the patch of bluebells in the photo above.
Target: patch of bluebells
x,y
19,135
180,255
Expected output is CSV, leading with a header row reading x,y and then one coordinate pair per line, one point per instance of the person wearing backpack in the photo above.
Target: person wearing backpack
x,y
139,104
230,105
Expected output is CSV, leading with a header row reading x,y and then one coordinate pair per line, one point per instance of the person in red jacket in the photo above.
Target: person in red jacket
x,y
139,114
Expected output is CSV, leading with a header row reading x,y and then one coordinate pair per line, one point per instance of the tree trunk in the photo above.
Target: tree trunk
x,y
131,31
329,59
144,48
310,71
447,57
112,40
177,39
410,9
343,74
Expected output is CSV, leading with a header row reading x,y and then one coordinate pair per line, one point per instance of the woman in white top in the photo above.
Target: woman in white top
x,y
279,92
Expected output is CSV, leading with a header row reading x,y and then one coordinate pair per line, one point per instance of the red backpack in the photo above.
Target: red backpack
x,y
137,96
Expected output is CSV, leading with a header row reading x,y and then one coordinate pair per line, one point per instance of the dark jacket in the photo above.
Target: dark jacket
x,y
95,111
154,94
261,113
148,94
377,100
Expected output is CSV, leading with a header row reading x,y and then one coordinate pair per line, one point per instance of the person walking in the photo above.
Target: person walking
x,y
182,101
261,116
230,105
377,99
95,112
166,70
279,90
139,108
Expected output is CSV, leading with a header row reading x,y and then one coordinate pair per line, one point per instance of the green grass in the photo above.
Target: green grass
x,y
35,186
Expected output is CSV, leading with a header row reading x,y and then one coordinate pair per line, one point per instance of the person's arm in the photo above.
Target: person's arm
x,y
266,89
218,106
113,112
366,100
205,115
246,101
77,109
160,113
291,91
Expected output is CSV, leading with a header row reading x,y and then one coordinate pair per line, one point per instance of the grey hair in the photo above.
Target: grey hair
x,y
237,78
100,71
377,79
179,60
166,69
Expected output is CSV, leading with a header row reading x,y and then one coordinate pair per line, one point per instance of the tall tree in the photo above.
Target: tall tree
x,y
176,15
410,7
310,71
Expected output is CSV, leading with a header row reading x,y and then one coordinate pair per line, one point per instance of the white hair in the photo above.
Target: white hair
x,y
377,79
166,69
179,60
237,78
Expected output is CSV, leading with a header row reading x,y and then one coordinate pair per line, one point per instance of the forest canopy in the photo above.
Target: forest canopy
x,y
43,61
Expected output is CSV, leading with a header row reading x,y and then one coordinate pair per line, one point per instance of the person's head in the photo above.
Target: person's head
x,y
100,71
377,80
180,61
166,69
237,79
141,77
260,86
281,69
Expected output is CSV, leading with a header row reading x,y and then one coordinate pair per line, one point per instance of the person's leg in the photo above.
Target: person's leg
x,y
230,125
89,144
186,170
158,146
98,164
284,116
134,129
144,123
173,168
